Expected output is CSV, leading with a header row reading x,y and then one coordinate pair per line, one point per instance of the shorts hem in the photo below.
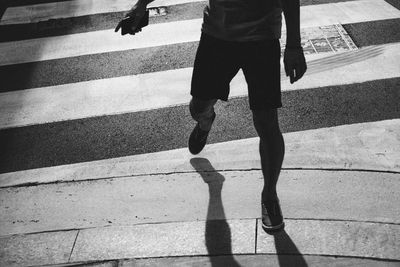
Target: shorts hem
x,y
203,97
265,107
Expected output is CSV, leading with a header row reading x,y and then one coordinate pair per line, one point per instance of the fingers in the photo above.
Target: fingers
x,y
299,72
287,68
118,27
292,76
290,70
295,65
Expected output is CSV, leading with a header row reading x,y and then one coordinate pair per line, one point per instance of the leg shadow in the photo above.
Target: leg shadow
x,y
287,252
218,233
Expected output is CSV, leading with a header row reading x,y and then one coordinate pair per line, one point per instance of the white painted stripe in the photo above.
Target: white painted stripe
x,y
175,32
98,42
168,88
74,8
367,146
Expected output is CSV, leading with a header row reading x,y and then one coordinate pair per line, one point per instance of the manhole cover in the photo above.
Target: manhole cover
x,y
315,40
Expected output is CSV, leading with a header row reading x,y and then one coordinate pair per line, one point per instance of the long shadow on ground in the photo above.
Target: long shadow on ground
x,y
218,233
284,247
218,236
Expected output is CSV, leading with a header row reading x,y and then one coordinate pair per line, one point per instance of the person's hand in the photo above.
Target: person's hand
x,y
130,24
295,63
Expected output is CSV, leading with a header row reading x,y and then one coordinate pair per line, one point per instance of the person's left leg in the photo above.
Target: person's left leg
x,y
261,67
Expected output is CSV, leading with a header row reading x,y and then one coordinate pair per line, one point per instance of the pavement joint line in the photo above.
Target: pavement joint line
x,y
73,246
116,262
244,254
331,256
79,263
32,184
177,222
119,225
339,220
255,239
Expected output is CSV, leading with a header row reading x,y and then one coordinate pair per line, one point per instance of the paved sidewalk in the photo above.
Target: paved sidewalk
x,y
170,208
325,240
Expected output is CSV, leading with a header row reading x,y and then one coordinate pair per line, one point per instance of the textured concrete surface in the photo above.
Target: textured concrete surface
x,y
257,261
36,249
367,242
344,195
161,240
354,239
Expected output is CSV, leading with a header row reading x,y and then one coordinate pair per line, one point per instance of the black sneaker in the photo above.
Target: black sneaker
x,y
198,139
271,216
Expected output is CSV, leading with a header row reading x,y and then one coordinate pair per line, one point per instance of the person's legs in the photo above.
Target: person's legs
x,y
272,150
214,67
202,111
261,67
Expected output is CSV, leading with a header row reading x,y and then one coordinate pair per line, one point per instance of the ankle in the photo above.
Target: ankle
x,y
269,196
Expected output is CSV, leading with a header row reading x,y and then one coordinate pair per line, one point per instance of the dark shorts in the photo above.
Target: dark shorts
x,y
218,61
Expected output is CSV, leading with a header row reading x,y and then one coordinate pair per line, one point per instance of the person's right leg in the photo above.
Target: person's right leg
x,y
214,67
202,111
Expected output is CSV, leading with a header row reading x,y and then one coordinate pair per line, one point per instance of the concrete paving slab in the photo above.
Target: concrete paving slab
x,y
345,195
366,146
35,249
258,260
336,238
161,240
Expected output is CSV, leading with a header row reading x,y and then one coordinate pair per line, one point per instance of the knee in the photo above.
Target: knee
x,y
266,122
198,106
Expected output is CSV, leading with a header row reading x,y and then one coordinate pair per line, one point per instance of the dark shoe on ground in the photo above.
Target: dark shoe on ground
x,y
198,139
271,215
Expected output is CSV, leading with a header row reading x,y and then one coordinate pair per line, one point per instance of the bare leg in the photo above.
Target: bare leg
x,y
272,149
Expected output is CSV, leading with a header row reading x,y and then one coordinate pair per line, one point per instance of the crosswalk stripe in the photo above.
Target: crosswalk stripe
x,y
168,88
74,8
347,147
176,32
92,67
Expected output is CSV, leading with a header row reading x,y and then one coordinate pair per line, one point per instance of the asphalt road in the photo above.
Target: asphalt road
x,y
168,128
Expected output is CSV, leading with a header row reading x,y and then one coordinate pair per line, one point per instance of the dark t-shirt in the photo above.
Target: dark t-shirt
x,y
243,20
